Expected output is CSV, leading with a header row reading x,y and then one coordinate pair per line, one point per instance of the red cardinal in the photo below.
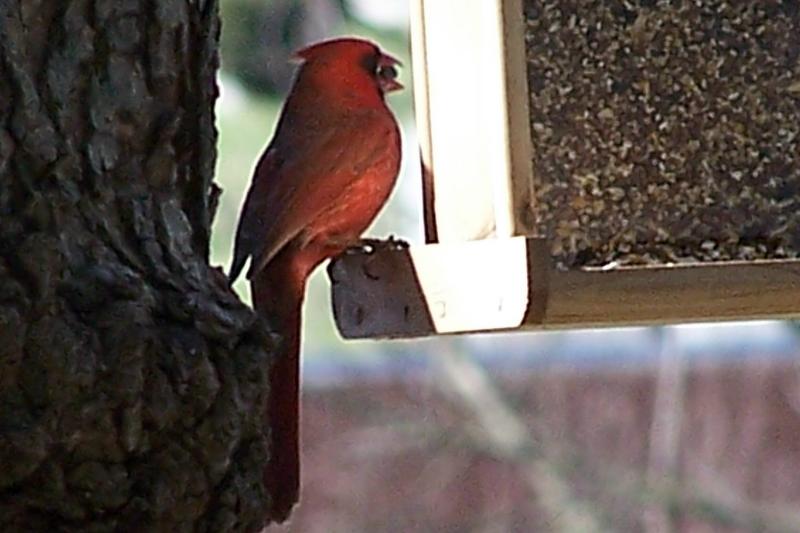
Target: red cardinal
x,y
320,183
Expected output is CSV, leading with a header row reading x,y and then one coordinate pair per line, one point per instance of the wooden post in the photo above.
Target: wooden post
x,y
472,111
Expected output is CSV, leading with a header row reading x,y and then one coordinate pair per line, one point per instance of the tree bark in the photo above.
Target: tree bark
x,y
131,378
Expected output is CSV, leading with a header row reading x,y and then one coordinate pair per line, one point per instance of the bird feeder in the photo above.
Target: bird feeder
x,y
633,163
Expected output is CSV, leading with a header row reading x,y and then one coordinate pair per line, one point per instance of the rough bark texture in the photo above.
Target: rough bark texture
x,y
131,378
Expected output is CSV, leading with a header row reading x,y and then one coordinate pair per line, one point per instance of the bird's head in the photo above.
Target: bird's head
x,y
352,60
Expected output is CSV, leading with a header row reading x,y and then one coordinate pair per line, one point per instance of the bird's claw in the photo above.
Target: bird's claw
x,y
370,246
397,243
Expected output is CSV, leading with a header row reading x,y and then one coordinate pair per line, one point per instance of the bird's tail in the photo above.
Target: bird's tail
x,y
278,296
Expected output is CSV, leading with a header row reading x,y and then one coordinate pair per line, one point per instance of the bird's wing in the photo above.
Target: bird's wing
x,y
301,176
313,177
247,232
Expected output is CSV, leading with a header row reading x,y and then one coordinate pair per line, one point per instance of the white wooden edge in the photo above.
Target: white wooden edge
x,y
480,286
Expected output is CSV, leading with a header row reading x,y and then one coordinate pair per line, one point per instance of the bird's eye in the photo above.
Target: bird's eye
x,y
387,72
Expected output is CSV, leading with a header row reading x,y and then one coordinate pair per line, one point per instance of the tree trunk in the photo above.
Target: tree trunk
x,y
131,378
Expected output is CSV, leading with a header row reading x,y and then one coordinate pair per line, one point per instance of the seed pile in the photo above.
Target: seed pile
x,y
665,131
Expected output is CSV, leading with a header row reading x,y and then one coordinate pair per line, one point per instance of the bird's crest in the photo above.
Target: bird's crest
x,y
323,47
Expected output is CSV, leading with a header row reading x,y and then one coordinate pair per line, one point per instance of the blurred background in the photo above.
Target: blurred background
x,y
688,428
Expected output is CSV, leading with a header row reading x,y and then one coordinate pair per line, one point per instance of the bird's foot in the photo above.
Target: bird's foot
x,y
369,246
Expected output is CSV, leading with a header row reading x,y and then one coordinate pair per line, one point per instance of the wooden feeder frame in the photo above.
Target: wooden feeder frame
x,y
481,270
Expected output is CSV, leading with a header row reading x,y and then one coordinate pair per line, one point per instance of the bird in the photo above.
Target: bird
x,y
327,172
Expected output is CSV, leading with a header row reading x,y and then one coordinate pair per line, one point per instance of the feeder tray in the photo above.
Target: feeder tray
x,y
606,167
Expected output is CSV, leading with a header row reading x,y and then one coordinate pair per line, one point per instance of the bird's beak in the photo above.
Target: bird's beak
x,y
387,62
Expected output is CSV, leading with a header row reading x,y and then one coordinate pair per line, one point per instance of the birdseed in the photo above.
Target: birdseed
x,y
665,131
